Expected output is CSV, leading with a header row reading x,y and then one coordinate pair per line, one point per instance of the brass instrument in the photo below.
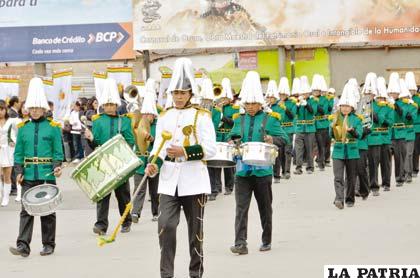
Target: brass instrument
x,y
365,108
141,135
217,90
131,94
339,127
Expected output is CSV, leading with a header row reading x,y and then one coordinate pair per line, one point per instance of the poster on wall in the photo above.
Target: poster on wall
x,y
165,24
65,30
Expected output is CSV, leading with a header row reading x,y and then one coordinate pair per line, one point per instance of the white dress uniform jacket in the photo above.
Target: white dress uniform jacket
x,y
189,177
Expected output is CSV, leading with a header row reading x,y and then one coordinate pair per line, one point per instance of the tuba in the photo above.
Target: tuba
x,y
339,127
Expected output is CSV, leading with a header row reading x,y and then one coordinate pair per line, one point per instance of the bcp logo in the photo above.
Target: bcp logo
x,y
105,37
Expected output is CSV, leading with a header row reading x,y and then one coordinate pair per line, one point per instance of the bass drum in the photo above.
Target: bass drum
x,y
109,166
42,200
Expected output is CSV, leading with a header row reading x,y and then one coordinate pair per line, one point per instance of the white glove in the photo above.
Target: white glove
x,y
303,102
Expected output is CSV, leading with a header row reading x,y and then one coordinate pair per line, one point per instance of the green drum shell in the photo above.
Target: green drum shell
x,y
109,166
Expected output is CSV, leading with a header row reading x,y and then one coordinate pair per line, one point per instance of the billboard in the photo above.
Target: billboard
x,y
165,24
65,30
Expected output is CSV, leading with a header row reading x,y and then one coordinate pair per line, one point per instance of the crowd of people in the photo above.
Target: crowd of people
x,y
365,128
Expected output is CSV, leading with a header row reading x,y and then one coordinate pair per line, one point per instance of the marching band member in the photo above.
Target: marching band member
x,y
412,86
346,129
184,179
228,109
398,128
321,119
332,103
362,180
410,135
379,140
273,101
149,113
104,127
305,125
254,126
287,123
38,152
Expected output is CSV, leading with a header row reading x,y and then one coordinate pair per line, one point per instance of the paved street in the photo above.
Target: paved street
x,y
309,232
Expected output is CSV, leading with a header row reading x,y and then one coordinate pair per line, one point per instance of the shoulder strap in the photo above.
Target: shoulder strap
x,y
242,126
264,124
119,124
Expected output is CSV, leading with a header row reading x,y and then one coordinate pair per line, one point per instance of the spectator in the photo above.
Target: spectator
x,y
76,131
8,132
50,113
14,107
92,109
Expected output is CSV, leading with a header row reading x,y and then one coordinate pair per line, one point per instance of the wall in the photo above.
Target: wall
x,y
357,63
309,62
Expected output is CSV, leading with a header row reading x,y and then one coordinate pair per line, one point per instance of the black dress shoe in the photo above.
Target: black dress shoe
x,y
399,184
339,204
287,176
309,172
409,179
135,218
47,250
212,197
298,172
386,188
239,249
276,180
265,247
125,229
228,192
350,205
98,231
19,251
375,193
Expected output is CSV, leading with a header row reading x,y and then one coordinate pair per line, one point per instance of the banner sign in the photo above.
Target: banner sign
x,y
65,30
165,24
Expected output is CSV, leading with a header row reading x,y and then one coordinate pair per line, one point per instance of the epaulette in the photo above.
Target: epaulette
x,y
159,108
163,112
21,124
293,99
55,124
275,115
329,97
236,107
331,117
382,103
415,105
391,106
218,109
235,116
281,105
203,111
360,116
96,116
129,115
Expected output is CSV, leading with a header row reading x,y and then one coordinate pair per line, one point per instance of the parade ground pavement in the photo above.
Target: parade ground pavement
x,y
308,233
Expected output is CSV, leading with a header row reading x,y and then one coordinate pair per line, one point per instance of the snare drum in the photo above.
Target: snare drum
x,y
42,200
109,166
224,157
259,154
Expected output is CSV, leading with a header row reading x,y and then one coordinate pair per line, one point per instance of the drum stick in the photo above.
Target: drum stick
x,y
102,240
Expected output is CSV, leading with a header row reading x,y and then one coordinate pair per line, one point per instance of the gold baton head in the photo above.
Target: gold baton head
x,y
166,135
